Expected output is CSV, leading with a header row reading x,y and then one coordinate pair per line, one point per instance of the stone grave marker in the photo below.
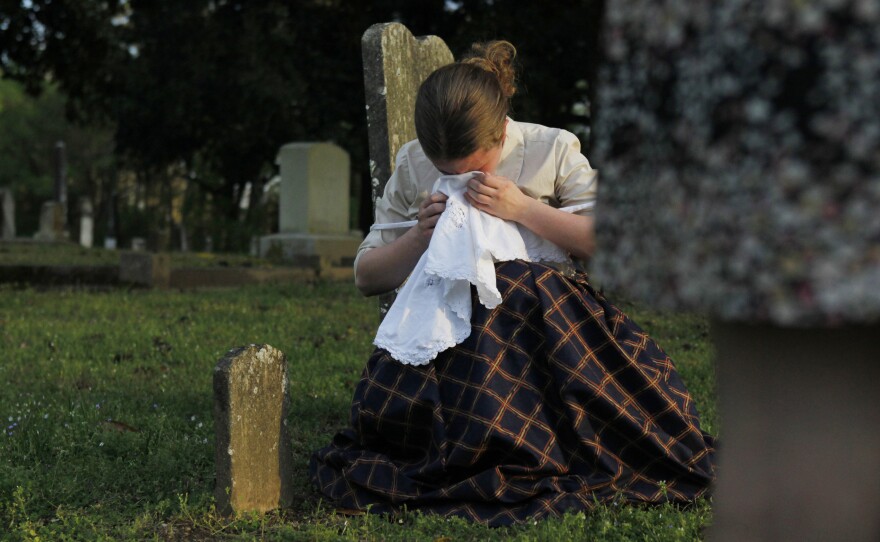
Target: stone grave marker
x,y
7,214
52,222
86,223
395,64
254,460
738,143
314,207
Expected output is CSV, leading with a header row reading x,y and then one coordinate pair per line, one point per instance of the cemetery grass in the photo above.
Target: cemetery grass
x,y
107,429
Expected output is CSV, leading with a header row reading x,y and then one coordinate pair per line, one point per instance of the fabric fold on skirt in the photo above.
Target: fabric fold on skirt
x,y
556,401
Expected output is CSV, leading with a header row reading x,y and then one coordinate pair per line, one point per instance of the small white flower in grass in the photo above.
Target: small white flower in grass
x,y
100,444
192,418
200,425
45,416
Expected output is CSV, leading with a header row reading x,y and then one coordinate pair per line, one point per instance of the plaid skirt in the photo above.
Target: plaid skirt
x,y
555,402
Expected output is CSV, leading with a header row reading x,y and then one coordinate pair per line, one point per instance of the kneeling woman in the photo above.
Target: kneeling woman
x,y
555,400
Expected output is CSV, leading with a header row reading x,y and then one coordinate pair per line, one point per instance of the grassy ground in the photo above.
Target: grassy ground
x,y
107,431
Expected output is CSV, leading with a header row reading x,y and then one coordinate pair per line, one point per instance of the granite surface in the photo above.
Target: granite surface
x,y
738,145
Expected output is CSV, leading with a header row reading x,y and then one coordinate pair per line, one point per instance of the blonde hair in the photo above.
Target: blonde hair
x,y
462,107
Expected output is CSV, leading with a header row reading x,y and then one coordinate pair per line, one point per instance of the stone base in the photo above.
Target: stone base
x,y
322,252
145,269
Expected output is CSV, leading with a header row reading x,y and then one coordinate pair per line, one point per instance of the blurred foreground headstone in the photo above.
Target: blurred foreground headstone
x,y
738,144
253,455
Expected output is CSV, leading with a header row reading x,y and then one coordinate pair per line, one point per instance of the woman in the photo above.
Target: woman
x,y
556,400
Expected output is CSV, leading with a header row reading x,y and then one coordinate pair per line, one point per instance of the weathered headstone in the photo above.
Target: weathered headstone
x,y
86,223
314,207
253,455
60,172
145,269
52,222
138,244
7,214
61,186
110,236
738,143
395,64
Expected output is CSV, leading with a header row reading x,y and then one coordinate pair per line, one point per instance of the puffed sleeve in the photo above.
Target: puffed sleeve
x,y
395,205
576,180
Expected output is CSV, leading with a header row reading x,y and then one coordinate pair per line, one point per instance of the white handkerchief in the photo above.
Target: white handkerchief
x,y
432,311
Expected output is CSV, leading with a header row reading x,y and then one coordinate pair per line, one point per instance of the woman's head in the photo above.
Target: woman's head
x,y
462,108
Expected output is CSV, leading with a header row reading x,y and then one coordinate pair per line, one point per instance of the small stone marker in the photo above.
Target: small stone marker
x,y
145,269
253,457
52,222
86,223
7,214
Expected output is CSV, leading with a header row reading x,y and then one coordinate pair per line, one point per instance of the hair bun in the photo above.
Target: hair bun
x,y
496,57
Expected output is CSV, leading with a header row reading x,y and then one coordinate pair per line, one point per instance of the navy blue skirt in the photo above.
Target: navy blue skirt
x,y
556,401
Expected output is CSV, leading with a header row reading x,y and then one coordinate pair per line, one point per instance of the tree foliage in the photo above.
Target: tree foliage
x,y
215,87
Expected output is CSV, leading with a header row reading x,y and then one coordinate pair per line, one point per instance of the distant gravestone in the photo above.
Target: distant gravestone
x,y
7,214
313,213
52,222
253,455
86,223
110,237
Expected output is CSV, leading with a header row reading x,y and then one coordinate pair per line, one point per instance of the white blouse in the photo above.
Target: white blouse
x,y
432,312
546,163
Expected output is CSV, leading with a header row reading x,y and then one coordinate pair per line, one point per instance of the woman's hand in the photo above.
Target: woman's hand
x,y
498,196
429,213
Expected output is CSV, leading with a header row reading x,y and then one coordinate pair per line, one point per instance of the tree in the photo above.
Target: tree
x,y
29,129
215,87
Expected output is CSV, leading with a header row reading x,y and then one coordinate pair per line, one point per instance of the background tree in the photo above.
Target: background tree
x,y
207,90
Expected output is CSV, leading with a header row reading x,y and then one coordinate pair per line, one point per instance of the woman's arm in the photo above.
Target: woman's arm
x,y
384,268
501,197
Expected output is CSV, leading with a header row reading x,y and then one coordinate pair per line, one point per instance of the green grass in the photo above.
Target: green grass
x,y
107,431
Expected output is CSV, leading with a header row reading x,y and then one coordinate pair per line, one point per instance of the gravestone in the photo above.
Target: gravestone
x,y
395,64
110,237
7,214
86,223
313,214
253,455
52,222
737,144
53,214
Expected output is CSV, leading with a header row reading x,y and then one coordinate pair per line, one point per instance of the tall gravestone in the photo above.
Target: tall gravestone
x,y
738,147
313,210
7,214
86,223
395,64
253,454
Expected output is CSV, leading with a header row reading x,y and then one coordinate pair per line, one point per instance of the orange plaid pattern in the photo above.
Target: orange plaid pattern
x,y
555,402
